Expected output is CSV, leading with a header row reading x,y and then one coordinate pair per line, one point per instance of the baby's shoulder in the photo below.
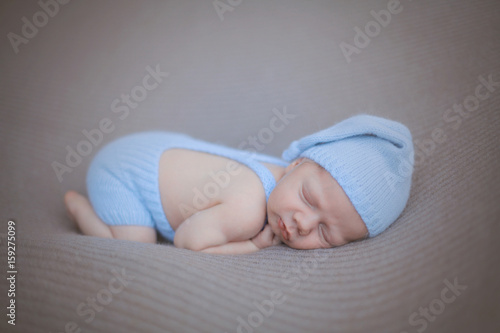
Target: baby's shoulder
x,y
245,198
246,212
248,202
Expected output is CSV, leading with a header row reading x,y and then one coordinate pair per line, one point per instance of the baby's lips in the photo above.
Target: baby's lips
x,y
284,232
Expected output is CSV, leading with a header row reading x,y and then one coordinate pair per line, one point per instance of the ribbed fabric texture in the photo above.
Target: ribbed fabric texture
x,y
226,76
122,181
372,160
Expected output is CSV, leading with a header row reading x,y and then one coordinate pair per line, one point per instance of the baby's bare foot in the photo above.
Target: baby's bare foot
x,y
81,212
71,199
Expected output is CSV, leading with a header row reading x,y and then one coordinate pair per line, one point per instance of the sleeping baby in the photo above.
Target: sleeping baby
x,y
336,186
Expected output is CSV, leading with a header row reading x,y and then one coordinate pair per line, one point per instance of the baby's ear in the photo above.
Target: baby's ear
x,y
294,164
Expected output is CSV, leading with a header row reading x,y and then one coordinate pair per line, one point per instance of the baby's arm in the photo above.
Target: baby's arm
x,y
220,229
241,247
264,239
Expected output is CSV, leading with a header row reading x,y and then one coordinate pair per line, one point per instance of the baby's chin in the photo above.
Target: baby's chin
x,y
290,244
295,247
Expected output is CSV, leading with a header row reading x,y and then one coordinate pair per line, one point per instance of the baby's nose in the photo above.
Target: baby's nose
x,y
305,224
303,232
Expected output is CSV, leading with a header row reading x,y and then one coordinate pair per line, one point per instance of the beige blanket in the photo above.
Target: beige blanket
x,y
222,71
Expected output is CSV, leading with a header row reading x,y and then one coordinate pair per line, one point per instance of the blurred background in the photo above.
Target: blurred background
x,y
74,75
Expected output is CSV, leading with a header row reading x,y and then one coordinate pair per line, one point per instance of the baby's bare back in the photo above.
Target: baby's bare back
x,y
192,181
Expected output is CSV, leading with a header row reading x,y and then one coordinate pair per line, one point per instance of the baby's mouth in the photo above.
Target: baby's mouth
x,y
284,231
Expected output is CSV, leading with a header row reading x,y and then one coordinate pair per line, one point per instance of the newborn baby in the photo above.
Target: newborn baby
x,y
340,185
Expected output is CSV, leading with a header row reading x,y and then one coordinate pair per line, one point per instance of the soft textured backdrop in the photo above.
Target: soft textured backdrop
x,y
232,66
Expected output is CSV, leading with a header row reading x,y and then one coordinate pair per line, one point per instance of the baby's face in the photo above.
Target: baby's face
x,y
308,209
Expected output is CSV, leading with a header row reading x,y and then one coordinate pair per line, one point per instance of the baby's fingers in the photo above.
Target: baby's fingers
x,y
267,231
270,236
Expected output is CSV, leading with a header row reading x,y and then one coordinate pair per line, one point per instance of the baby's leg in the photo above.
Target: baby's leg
x,y
81,211
136,233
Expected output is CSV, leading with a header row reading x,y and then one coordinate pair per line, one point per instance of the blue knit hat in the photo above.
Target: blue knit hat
x,y
372,160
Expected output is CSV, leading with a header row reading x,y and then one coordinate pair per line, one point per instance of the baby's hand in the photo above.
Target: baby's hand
x,y
265,238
